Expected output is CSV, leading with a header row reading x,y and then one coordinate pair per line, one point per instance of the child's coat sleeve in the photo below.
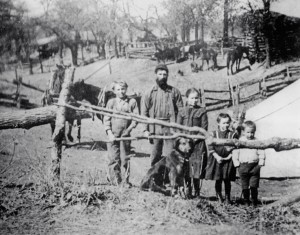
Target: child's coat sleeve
x,y
107,119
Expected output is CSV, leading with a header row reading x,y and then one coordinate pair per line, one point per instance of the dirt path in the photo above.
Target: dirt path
x,y
86,204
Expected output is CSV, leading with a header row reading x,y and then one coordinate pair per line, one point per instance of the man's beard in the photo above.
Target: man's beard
x,y
162,83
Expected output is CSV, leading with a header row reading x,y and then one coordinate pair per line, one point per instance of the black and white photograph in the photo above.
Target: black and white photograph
x,y
150,117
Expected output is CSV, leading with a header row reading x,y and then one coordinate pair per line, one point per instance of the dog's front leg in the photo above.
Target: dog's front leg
x,y
172,177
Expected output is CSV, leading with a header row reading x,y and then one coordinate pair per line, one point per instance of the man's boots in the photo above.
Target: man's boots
x,y
254,195
246,194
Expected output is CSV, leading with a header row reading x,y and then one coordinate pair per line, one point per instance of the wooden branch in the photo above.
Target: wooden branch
x,y
286,201
278,144
28,86
217,91
170,137
136,117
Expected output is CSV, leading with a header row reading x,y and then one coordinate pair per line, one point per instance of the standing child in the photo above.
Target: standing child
x,y
119,151
219,164
249,162
193,115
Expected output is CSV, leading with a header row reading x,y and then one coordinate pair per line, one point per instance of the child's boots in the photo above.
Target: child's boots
x,y
246,194
254,195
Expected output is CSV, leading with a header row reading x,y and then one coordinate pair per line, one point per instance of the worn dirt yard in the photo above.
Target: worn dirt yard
x,y
86,204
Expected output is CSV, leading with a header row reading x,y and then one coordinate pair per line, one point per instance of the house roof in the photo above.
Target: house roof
x,y
286,7
43,41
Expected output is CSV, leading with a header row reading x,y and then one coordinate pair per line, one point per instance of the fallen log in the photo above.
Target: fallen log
x,y
27,119
278,144
286,201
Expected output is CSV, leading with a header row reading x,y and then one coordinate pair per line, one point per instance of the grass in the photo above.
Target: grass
x,y
84,203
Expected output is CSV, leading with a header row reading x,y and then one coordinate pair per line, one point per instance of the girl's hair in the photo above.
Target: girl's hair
x,y
190,91
223,115
249,124
120,83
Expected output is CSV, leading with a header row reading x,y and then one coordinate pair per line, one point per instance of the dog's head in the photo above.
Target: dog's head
x,y
184,145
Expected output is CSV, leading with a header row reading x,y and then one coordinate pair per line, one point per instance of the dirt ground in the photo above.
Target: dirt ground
x,y
86,204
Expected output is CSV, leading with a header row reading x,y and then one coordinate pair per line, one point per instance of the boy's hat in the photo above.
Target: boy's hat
x,y
161,67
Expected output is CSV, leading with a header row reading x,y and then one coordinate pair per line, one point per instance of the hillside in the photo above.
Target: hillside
x,y
86,204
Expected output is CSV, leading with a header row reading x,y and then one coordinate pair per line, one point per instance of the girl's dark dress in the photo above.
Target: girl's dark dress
x,y
224,170
195,116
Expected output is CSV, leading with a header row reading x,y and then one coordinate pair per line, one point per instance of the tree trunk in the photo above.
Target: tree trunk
x,y
183,33
74,53
268,57
202,29
116,47
196,31
98,49
30,66
59,132
187,33
267,31
41,63
225,25
103,50
60,50
82,54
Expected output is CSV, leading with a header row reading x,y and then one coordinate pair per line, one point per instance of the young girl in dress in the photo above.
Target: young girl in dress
x,y
219,164
194,115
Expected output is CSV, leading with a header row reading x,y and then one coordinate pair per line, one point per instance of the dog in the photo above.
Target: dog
x,y
195,68
180,72
176,164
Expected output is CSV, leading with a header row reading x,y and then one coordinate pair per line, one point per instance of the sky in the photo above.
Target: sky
x,y
139,7
288,7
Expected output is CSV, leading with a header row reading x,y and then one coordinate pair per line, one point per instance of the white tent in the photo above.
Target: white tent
x,y
279,116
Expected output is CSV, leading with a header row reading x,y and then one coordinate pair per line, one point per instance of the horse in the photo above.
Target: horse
x,y
235,56
79,91
209,54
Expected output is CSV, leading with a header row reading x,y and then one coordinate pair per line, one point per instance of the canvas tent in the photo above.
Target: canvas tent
x,y
279,116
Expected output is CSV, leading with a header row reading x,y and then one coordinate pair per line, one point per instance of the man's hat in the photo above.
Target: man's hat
x,y
161,67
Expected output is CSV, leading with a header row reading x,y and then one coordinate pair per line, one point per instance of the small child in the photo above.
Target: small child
x,y
249,162
119,151
219,164
194,115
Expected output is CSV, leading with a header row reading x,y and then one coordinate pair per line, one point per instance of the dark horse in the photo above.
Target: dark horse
x,y
79,91
235,56
209,54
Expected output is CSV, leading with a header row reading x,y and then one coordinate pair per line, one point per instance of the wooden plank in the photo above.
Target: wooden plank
x,y
249,83
212,98
216,91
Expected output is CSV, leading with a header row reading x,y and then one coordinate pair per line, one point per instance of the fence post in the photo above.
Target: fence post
x,y
109,66
235,95
288,76
202,97
230,91
59,132
263,88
